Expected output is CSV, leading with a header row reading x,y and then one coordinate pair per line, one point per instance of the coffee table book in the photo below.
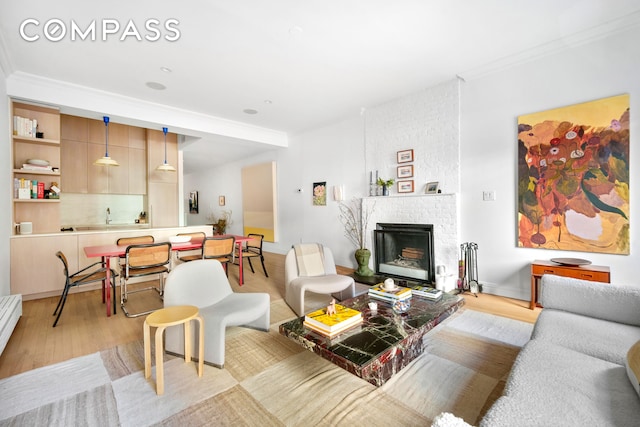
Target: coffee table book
x,y
426,291
343,318
401,293
336,332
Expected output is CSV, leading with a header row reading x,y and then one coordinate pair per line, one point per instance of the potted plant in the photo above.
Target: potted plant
x,y
220,222
355,221
385,185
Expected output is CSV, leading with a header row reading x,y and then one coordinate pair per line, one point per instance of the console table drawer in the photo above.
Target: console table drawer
x,y
595,273
575,272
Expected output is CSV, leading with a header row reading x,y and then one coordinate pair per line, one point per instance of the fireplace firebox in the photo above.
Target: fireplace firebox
x,y
405,252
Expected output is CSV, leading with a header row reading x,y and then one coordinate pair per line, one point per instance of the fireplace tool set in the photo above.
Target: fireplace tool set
x,y
468,268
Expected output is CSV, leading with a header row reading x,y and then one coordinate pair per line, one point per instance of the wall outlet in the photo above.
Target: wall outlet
x,y
489,196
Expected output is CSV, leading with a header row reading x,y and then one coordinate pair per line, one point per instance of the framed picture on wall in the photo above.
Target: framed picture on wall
x,y
405,171
432,187
405,156
193,202
405,186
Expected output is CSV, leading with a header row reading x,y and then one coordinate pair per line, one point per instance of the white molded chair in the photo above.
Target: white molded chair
x,y
326,282
203,283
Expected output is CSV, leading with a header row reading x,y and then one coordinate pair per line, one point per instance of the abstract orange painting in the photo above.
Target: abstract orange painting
x,y
573,177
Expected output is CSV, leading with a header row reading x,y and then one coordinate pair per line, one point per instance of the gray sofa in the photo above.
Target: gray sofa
x,y
572,372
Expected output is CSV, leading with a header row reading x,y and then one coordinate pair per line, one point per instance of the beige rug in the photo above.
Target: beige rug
x,y
270,380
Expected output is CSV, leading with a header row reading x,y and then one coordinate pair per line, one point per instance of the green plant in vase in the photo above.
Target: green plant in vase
x,y
385,185
355,222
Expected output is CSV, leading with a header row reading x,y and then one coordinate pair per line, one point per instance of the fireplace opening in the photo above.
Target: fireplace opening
x,y
405,252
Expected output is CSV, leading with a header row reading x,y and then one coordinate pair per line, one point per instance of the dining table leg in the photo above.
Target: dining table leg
x,y
107,285
240,265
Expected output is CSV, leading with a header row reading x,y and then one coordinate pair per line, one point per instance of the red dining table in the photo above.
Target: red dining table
x,y
106,252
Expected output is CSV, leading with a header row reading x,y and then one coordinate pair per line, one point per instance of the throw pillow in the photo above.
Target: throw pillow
x,y
632,363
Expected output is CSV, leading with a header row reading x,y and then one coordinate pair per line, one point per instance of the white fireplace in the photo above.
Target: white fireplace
x,y
441,210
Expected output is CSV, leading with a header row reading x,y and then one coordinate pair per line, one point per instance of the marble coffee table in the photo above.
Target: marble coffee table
x,y
385,343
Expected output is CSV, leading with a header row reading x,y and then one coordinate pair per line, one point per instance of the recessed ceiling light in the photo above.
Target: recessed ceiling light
x,y
268,101
156,85
165,69
250,111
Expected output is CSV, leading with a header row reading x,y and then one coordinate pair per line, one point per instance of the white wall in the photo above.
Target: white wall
x,y
490,107
333,153
5,195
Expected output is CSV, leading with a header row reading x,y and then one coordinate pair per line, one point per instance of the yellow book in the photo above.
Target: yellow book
x,y
400,292
335,333
343,317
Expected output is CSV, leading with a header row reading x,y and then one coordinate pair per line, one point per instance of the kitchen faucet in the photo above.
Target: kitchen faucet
x,y
108,216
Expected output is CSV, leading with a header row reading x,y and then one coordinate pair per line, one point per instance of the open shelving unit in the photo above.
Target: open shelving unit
x,y
43,213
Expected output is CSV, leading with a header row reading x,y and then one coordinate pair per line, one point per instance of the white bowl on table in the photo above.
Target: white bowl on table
x,y
179,239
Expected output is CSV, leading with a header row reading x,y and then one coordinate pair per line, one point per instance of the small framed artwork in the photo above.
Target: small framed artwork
x,y
221,200
432,187
405,186
405,156
193,202
320,193
405,171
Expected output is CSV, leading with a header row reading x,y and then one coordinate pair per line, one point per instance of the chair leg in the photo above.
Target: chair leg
x,y
113,292
63,299
250,265
263,267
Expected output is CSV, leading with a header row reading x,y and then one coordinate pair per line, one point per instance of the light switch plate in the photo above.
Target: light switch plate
x,y
489,195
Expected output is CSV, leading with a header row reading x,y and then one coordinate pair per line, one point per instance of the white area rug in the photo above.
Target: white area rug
x,y
270,380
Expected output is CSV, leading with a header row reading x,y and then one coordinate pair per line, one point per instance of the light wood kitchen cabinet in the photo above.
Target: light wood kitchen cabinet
x,y
137,171
163,204
34,267
43,213
155,155
118,134
73,164
162,187
137,137
74,128
108,179
84,142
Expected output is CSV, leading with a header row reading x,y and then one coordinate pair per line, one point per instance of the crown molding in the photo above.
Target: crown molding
x,y
590,35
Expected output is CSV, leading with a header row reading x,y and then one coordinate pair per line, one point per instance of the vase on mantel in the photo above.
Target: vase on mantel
x,y
362,258
385,190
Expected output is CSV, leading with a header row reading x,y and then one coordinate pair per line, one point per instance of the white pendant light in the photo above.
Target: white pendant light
x,y
106,160
165,167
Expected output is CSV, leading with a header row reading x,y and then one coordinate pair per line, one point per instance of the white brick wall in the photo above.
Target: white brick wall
x,y
427,122
441,210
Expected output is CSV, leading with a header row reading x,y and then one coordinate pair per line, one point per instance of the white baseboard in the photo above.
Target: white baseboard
x,y
505,291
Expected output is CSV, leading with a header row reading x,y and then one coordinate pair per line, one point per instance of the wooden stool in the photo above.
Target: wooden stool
x,y
160,319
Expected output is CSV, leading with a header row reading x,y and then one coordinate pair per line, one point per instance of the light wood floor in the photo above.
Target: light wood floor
x,y
84,327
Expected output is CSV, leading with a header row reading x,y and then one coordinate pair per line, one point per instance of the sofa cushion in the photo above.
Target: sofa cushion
x,y
601,300
632,363
599,338
551,385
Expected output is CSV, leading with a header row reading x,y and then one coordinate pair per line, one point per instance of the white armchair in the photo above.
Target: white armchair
x,y
319,275
203,283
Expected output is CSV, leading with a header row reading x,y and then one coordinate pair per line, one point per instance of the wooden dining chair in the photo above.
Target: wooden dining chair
x,y
144,260
220,248
253,249
137,240
90,274
196,253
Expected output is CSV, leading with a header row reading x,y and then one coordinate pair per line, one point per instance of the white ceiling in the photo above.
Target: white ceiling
x,y
300,63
